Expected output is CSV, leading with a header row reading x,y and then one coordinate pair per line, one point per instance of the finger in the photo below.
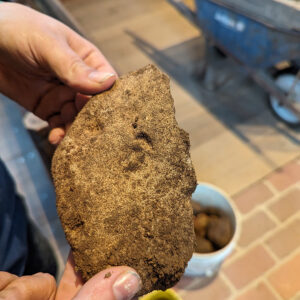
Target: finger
x,y
55,121
40,286
89,53
96,60
68,112
70,283
75,73
52,102
56,135
5,279
116,283
81,100
68,125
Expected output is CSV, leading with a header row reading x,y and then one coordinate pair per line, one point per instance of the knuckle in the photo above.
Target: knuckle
x,y
49,278
6,277
50,284
26,287
75,64
12,293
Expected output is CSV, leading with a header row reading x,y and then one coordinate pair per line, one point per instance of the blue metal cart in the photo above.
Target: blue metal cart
x,y
259,35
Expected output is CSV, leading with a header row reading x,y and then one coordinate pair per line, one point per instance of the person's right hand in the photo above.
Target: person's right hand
x,y
47,67
116,283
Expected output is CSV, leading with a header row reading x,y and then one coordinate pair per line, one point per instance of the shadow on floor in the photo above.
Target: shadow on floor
x,y
237,103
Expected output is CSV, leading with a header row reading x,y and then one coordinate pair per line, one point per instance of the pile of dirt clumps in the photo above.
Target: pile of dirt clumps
x,y
212,227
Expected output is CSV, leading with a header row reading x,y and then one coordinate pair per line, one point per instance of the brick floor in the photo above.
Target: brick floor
x,y
252,197
254,228
286,278
286,176
258,292
285,240
249,266
286,205
217,290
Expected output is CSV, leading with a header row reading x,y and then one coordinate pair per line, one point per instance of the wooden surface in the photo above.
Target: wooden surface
x,y
235,139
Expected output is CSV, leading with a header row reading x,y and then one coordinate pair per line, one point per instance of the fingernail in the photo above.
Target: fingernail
x,y
100,76
56,139
127,285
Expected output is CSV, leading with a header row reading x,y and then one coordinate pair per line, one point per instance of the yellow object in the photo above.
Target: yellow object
x,y
161,295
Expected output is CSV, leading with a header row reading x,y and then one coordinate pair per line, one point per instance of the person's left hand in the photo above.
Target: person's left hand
x,y
47,67
116,283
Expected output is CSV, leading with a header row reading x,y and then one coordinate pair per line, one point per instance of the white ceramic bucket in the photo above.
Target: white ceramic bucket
x,y
208,264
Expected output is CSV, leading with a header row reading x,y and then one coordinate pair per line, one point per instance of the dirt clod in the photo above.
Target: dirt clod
x,y
124,179
213,229
219,231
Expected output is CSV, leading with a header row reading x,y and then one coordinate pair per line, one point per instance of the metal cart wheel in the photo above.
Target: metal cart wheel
x,y
289,83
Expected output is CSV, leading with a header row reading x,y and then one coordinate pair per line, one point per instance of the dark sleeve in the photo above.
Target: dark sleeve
x,y
13,226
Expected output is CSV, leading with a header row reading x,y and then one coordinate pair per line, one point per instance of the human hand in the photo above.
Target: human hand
x,y
40,286
47,67
117,283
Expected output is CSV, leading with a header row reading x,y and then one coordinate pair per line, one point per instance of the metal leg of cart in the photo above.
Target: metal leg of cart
x,y
213,76
209,78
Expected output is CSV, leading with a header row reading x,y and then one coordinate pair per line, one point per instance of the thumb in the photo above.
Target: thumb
x,y
116,283
72,70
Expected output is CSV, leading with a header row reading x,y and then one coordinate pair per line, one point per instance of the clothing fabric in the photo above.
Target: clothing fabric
x,y
13,226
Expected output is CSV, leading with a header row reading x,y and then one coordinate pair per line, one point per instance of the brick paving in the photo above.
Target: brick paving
x,y
252,197
258,222
287,205
259,292
266,262
285,279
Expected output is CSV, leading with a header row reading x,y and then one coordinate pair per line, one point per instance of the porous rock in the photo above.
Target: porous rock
x,y
124,179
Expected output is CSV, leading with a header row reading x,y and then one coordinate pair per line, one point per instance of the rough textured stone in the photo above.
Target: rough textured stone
x,y
124,178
